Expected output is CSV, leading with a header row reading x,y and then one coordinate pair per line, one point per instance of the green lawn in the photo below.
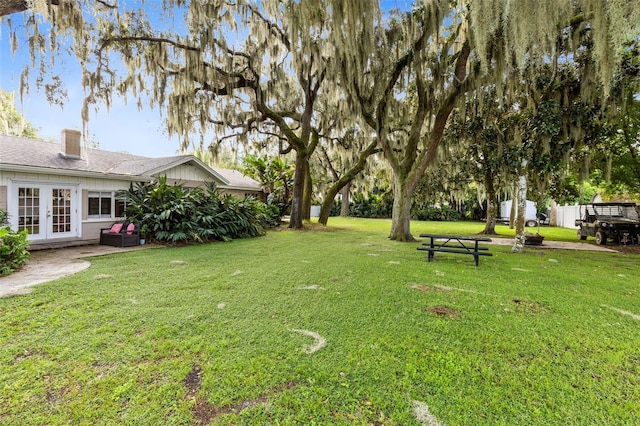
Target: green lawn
x,y
224,334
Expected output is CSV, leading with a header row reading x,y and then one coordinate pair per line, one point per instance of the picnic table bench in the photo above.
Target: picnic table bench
x,y
455,244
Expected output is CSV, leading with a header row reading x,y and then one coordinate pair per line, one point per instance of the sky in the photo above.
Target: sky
x,y
122,128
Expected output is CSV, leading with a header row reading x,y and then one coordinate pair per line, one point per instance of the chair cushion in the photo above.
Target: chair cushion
x,y
116,228
130,228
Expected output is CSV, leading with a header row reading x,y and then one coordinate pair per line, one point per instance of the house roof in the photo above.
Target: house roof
x,y
236,179
24,154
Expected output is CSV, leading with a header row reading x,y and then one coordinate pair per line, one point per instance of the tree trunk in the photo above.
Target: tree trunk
x,y
401,216
344,183
325,208
514,205
297,200
308,193
345,202
518,244
490,223
553,213
327,204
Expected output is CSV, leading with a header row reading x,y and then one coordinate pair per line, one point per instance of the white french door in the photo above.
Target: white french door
x,y
46,211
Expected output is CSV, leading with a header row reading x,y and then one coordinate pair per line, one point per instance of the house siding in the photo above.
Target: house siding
x,y
3,198
242,194
89,228
93,184
188,173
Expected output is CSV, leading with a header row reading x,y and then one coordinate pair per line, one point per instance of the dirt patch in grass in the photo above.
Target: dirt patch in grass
x,y
529,306
630,249
54,396
102,276
27,353
193,381
444,311
204,412
424,287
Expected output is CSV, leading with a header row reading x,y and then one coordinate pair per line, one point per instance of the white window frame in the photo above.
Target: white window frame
x,y
101,195
46,212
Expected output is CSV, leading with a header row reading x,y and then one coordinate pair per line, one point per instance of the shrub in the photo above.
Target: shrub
x,y
373,205
336,208
433,213
178,214
276,177
272,215
13,247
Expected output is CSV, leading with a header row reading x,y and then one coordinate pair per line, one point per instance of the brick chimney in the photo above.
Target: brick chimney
x,y
70,140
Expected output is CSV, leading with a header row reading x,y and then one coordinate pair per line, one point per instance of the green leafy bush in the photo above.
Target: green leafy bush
x,y
336,208
173,213
276,177
373,205
13,247
433,213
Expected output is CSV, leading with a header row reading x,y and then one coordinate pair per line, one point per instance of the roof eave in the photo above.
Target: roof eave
x,y
73,173
239,188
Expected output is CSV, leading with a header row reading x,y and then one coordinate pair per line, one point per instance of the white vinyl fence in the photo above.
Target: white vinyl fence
x,y
566,216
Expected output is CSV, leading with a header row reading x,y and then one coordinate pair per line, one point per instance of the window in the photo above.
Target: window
x,y
100,204
61,210
29,210
105,205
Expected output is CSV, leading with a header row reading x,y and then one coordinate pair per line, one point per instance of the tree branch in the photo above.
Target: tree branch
x,y
273,28
8,7
150,39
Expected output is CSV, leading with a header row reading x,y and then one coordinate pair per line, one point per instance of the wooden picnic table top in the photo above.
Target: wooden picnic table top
x,y
454,237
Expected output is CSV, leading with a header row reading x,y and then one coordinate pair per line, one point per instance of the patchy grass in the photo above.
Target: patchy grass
x,y
223,334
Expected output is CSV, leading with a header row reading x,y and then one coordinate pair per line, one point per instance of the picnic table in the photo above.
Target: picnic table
x,y
455,244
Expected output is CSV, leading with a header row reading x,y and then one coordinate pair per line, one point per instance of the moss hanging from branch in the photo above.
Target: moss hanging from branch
x,y
531,29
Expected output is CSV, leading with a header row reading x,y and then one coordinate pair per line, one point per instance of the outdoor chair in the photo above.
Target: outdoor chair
x,y
120,234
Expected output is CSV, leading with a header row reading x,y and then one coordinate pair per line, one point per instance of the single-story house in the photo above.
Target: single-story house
x,y
65,193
